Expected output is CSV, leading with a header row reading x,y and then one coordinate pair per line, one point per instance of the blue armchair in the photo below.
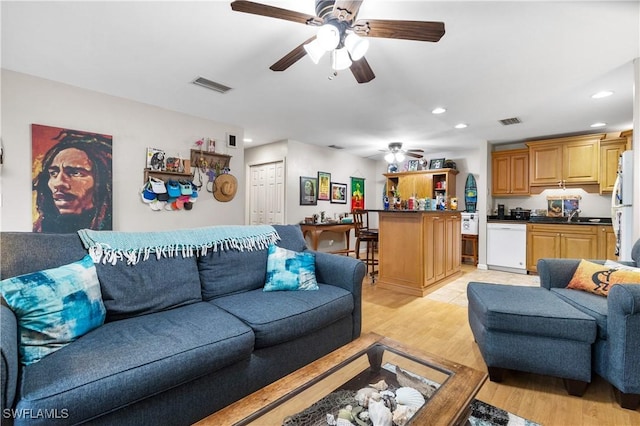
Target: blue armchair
x,y
616,352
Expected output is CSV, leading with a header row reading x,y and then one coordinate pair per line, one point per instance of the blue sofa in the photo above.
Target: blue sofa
x,y
183,337
616,351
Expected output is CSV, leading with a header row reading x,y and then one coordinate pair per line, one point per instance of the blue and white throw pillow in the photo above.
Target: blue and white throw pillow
x,y
54,307
290,270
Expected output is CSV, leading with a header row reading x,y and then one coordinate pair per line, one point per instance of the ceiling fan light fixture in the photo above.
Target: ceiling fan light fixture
x,y
328,37
399,157
390,157
314,50
356,45
341,60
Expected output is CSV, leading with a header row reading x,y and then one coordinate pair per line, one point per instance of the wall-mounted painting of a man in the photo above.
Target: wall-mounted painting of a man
x,y
72,180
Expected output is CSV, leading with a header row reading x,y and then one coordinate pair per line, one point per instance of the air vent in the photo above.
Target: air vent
x,y
510,121
211,85
336,147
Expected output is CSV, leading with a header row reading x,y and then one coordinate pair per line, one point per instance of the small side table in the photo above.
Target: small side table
x,y
472,241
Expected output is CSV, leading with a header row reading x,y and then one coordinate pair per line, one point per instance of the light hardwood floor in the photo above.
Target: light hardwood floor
x,y
443,329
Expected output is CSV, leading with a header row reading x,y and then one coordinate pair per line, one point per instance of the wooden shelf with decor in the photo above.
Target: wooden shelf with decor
x,y
423,183
204,159
199,158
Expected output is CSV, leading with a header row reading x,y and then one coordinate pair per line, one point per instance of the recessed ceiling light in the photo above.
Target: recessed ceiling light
x,y
247,140
460,126
600,124
602,94
438,110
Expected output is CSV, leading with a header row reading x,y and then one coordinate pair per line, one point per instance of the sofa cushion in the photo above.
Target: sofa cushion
x,y
590,304
290,270
54,307
598,279
231,271
281,316
149,286
140,357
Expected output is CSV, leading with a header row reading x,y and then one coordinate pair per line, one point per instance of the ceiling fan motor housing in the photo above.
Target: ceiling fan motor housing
x,y
324,8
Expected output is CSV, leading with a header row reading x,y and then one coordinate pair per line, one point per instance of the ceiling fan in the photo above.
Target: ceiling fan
x,y
395,153
341,34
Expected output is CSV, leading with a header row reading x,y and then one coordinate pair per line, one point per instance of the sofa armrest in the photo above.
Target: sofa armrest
x,y
556,273
345,272
9,352
623,337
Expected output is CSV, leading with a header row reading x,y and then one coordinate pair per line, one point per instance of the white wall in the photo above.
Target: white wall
x,y
307,160
134,126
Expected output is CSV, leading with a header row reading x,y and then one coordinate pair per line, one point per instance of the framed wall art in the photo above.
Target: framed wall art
x,y
436,163
308,191
413,165
357,193
324,186
72,180
338,193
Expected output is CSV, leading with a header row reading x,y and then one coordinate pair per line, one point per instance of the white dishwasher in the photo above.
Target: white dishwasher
x,y
507,247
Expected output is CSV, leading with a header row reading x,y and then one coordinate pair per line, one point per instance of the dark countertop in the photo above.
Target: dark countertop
x,y
546,220
415,211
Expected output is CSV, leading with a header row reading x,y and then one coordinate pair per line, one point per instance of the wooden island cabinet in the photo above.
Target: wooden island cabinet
x,y
417,249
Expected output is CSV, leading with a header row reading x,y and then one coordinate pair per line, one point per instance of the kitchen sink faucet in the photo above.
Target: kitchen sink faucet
x,y
572,214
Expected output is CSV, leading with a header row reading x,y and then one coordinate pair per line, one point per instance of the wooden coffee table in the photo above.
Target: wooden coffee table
x,y
360,360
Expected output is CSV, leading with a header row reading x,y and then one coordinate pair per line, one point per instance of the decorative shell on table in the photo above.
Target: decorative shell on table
x,y
380,386
365,395
379,414
402,414
410,397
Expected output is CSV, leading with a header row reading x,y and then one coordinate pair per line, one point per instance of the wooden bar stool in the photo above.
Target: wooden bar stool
x,y
368,236
470,240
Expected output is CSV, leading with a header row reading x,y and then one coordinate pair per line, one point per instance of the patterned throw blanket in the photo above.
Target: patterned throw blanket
x,y
133,247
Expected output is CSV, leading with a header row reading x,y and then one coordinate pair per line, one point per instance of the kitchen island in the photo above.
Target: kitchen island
x,y
417,249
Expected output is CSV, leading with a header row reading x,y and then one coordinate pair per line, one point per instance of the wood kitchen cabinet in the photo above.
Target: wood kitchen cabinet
x,y
606,243
560,241
417,249
510,172
565,161
610,151
453,244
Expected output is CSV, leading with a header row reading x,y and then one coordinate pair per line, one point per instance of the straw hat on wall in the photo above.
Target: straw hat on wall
x,y
225,187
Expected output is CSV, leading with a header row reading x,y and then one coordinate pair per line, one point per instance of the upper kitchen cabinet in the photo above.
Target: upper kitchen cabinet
x,y
510,172
610,150
571,161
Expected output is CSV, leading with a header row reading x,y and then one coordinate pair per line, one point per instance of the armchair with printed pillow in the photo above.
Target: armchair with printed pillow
x,y
163,328
609,292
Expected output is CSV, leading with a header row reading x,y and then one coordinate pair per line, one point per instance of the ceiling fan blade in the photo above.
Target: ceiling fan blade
x,y
362,71
350,6
414,155
292,57
271,11
406,30
415,150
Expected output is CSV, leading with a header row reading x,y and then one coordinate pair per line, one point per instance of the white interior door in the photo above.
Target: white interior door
x,y
266,193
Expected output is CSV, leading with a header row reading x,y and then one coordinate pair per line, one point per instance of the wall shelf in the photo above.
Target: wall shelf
x,y
204,159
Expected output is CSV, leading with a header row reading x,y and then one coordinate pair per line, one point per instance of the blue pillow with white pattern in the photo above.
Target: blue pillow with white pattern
x,y
54,307
290,270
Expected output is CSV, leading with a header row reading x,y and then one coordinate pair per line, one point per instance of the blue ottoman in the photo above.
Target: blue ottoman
x,y
530,329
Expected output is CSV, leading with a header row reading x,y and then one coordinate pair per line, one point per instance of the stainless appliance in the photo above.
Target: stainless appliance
x,y
507,247
622,206
520,214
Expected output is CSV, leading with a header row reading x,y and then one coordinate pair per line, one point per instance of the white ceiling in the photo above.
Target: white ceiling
x,y
538,61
